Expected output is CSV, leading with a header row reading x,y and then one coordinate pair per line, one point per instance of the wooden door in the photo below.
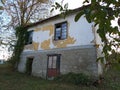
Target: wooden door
x,y
53,66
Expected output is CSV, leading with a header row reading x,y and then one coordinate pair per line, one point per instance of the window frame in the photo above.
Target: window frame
x,y
57,24
28,37
58,59
57,64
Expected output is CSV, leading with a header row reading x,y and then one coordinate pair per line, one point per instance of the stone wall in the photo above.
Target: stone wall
x,y
73,59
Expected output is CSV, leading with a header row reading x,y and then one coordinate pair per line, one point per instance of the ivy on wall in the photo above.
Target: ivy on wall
x,y
21,35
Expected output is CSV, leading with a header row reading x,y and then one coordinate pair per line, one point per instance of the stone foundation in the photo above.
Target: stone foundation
x,y
74,59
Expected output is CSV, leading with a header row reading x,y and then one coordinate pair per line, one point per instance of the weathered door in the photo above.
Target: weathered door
x,y
53,66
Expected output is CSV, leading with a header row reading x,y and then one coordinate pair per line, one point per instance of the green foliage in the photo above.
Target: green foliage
x,y
21,34
112,78
77,79
77,17
102,12
63,9
115,57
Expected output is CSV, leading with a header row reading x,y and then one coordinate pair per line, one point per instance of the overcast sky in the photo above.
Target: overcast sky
x,y
72,3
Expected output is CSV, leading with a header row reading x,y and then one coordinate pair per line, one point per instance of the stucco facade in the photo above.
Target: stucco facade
x,y
76,53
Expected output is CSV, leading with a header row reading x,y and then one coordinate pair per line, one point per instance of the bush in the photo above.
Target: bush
x,y
74,78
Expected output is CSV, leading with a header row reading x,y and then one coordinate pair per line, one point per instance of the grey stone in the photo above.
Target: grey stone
x,y
74,59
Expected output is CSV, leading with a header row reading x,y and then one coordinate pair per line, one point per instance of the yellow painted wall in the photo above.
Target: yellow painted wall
x,y
35,45
64,43
46,43
45,28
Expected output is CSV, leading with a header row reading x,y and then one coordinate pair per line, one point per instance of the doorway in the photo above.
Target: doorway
x,y
29,65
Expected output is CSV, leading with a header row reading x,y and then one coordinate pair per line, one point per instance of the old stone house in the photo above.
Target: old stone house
x,y
59,45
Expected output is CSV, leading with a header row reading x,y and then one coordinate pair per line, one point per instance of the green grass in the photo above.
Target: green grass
x,y
10,80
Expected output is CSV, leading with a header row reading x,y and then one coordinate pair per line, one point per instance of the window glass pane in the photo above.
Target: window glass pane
x,y
58,32
58,29
63,37
64,30
64,25
30,35
54,61
50,62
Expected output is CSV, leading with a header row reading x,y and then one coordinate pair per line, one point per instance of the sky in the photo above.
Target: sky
x,y
72,3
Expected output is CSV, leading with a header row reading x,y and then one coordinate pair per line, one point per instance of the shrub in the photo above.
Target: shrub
x,y
74,78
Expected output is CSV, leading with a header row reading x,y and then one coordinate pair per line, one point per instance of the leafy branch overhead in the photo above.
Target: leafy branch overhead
x,y
102,12
63,9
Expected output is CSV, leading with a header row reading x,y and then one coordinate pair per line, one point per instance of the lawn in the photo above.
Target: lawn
x,y
10,80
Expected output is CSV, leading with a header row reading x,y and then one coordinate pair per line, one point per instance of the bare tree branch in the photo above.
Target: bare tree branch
x,y
22,11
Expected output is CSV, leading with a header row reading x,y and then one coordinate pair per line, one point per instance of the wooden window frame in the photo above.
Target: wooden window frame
x,y
60,24
28,41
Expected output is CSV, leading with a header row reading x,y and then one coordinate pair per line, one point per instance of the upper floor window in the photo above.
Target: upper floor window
x,y
30,36
61,31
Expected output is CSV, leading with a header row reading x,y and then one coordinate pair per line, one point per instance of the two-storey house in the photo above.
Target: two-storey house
x,y
59,45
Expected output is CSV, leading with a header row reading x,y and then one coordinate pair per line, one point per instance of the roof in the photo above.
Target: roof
x,y
57,16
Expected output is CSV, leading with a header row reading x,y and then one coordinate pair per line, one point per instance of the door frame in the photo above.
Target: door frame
x,y
29,61
57,63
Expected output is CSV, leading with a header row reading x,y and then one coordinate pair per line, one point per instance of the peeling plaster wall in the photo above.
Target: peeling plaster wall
x,y
79,33
78,53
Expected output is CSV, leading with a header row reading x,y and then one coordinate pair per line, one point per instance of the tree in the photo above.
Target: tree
x,y
22,13
102,12
1,20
